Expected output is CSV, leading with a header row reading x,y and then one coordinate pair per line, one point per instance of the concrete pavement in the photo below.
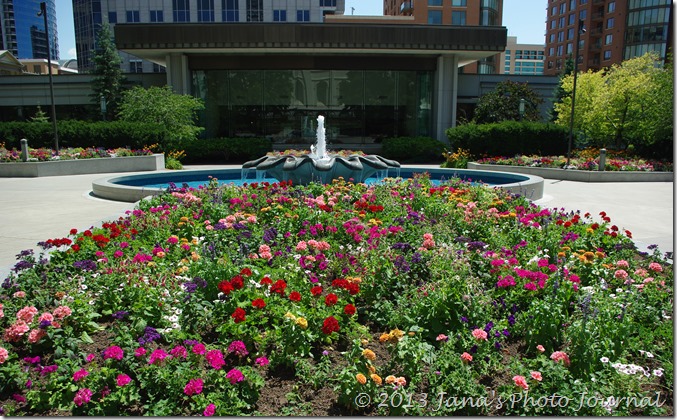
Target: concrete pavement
x,y
37,209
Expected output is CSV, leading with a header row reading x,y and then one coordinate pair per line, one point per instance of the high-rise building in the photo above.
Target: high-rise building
x,y
523,59
89,15
453,12
23,30
611,31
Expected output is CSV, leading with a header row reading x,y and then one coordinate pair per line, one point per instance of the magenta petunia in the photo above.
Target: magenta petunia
x,y
123,379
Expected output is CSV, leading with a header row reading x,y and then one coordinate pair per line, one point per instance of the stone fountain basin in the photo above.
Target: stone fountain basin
x,y
304,169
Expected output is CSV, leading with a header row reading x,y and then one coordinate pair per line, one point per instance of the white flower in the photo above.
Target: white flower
x,y
649,355
658,372
604,360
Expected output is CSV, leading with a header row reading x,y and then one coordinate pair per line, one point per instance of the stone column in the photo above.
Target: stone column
x,y
445,100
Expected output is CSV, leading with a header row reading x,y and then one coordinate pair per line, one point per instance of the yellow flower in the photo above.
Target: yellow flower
x,y
290,315
397,333
377,379
364,342
361,378
184,219
385,337
194,256
390,379
368,354
302,322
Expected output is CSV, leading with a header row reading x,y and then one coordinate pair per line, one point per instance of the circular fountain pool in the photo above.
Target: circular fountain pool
x,y
132,188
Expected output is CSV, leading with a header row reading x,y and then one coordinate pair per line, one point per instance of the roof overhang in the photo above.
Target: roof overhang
x,y
154,42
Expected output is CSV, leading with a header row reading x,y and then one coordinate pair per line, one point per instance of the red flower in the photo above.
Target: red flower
x,y
225,287
330,325
259,303
278,287
316,290
331,299
295,296
239,315
237,282
75,247
266,280
74,231
353,288
246,272
349,309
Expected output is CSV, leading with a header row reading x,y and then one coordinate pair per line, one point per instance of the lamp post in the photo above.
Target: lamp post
x,y
521,108
43,13
581,30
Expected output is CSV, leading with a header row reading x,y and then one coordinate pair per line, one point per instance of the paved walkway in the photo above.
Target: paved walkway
x,y
37,209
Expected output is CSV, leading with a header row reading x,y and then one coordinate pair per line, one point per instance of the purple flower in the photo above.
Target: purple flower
x,y
120,314
48,369
85,265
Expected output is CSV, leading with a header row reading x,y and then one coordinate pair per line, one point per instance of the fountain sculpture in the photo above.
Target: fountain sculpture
x,y
319,166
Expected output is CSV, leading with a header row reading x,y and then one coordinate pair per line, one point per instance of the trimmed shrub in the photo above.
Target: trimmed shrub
x,y
413,149
224,150
510,138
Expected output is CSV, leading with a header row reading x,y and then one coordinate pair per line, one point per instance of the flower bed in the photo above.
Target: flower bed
x,y
582,161
397,298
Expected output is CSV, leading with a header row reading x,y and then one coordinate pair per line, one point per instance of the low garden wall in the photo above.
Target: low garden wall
x,y
578,175
82,166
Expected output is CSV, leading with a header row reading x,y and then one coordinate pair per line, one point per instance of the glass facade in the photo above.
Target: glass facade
x,y
647,29
361,106
30,40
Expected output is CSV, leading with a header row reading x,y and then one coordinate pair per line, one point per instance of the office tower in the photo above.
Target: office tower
x,y
23,31
522,59
89,15
453,12
612,31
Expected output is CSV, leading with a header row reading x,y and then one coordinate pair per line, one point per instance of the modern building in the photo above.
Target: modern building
x,y
370,80
522,59
89,15
22,29
457,13
611,31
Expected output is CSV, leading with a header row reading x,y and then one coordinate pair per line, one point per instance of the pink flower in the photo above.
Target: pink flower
x,y
621,274
139,352
20,294
27,314
209,411
179,352
4,354
82,396
560,356
466,357
199,348
157,354
261,361
90,357
36,335
113,352
654,266
622,264
400,381
239,348
62,312
479,334
79,375
235,376
46,317
194,386
537,375
442,337
540,348
123,379
16,331
520,381
215,359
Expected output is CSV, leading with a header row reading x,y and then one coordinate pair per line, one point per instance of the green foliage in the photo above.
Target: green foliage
x,y
560,93
221,150
160,105
509,138
503,103
413,149
108,77
73,133
630,103
40,116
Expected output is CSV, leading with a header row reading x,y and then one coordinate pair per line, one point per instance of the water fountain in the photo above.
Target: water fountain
x,y
318,165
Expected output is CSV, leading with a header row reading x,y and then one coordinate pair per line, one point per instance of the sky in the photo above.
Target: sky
x,y
524,19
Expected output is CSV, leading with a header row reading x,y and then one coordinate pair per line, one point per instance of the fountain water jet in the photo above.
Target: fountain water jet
x,y
319,166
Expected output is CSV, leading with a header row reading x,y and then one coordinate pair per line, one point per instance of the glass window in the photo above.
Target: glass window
x,y
157,16
572,5
133,16
583,14
434,17
570,33
112,17
434,2
279,15
181,10
553,24
553,11
303,15
231,10
562,22
562,8
609,39
459,3
560,36
607,55
570,48
254,10
572,18
205,10
612,7
327,3
610,23
135,66
457,18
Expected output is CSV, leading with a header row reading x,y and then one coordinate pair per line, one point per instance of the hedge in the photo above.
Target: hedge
x,y
222,150
509,138
413,149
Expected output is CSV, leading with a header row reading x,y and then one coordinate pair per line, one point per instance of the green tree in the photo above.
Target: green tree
x,y
630,103
503,104
161,105
560,93
108,77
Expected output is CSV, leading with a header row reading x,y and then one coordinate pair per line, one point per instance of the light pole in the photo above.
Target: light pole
x,y
43,13
521,108
581,30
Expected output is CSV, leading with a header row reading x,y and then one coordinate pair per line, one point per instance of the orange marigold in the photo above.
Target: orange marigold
x,y
361,378
368,354
377,379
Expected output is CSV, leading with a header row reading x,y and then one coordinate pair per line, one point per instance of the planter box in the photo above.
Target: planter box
x,y
580,176
82,166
